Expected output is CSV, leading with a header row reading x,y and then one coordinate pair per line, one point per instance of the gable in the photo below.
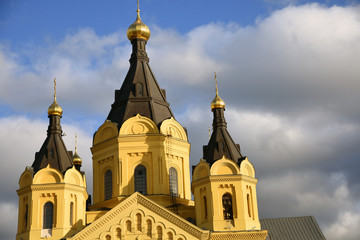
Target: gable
x,y
137,217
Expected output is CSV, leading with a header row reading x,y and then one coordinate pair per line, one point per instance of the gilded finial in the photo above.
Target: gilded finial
x,y
54,88
75,142
55,109
217,102
209,133
76,159
138,29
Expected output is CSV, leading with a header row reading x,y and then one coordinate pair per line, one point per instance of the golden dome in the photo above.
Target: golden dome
x,y
217,102
55,109
138,29
76,159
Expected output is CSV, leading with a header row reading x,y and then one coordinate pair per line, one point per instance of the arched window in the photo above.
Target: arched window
x,y
138,222
140,179
149,226
227,206
108,184
48,215
173,182
158,233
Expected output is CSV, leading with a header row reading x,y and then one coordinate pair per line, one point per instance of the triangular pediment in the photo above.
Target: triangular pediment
x,y
137,217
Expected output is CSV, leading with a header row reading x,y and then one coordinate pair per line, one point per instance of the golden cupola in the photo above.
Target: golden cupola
x,y
217,102
138,29
55,108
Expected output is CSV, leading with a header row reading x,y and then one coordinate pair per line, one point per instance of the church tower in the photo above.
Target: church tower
x,y
52,192
224,183
140,147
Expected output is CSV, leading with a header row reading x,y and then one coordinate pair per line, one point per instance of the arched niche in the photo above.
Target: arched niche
x,y
26,178
48,175
201,170
224,166
73,176
106,131
246,168
138,125
172,128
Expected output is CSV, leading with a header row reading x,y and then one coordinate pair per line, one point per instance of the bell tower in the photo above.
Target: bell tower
x,y
224,183
140,147
52,192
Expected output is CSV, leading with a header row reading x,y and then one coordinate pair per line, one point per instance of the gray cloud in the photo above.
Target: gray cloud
x,y
290,83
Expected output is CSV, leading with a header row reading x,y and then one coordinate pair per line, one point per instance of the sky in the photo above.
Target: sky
x,y
288,71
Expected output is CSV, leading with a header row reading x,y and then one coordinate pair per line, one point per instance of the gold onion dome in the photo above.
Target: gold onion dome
x,y
138,29
77,159
55,109
217,102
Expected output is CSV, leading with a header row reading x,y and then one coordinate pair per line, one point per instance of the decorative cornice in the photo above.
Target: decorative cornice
x,y
50,187
224,178
239,235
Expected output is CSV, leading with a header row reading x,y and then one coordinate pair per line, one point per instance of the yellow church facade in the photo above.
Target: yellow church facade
x,y
142,188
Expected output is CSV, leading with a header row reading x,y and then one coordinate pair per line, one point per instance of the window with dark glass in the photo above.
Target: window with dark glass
x,y
108,184
71,213
205,207
140,179
227,206
173,182
48,215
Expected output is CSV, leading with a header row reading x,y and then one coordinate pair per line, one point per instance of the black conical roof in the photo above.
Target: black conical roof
x,y
53,151
221,143
140,93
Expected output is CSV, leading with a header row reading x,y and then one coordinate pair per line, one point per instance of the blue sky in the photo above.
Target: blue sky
x,y
287,70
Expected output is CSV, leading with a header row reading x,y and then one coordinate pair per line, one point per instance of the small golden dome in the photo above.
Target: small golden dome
x,y
55,109
76,159
138,29
217,102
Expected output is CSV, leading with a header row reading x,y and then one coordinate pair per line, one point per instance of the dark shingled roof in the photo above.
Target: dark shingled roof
x,y
53,151
220,143
140,93
292,228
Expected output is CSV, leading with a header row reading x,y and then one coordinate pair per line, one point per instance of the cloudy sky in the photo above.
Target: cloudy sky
x,y
288,71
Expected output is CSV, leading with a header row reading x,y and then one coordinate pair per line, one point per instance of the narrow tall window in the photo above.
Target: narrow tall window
x,y
71,213
158,233
118,234
205,207
26,216
48,215
138,222
140,179
108,184
149,226
227,206
248,204
139,89
173,182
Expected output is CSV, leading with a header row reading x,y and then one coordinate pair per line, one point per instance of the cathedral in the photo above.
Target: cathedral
x,y
142,187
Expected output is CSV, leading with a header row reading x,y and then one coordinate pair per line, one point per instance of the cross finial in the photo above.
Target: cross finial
x,y
216,87
55,89
138,8
75,142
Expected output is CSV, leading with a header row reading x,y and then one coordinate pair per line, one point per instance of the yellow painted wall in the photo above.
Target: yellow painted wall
x,y
140,141
225,177
49,185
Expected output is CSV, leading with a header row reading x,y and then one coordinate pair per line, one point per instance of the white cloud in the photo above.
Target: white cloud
x,y
290,83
